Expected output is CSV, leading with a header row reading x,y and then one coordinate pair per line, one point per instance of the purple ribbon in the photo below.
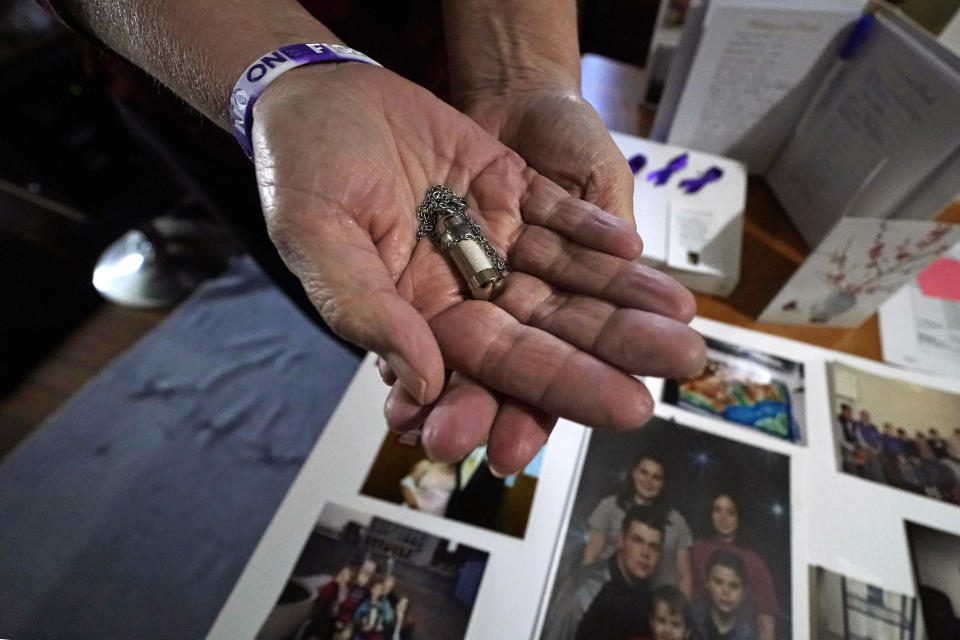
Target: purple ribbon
x,y
660,176
637,163
692,185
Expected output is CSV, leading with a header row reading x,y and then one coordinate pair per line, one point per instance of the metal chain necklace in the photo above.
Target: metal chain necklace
x,y
443,216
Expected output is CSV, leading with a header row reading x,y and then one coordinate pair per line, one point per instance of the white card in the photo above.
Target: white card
x,y
861,263
922,332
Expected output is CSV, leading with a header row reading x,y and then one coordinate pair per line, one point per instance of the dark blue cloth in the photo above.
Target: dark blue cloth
x,y
870,434
133,510
892,445
705,629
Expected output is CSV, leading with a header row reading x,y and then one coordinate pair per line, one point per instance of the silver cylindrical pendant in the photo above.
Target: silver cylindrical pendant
x,y
458,240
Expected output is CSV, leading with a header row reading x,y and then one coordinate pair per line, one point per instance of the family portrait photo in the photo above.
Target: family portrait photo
x,y
464,491
675,534
360,577
897,433
843,608
745,387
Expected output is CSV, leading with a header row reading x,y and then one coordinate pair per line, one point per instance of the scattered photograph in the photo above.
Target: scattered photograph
x,y
745,387
675,533
842,608
897,433
936,572
360,577
465,491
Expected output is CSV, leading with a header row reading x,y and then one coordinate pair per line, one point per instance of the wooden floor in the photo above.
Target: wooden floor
x,y
106,334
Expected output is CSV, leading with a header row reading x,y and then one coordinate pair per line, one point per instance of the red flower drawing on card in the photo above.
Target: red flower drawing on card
x,y
879,268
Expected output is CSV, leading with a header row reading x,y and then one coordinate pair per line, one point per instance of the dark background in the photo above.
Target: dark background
x,y
698,464
66,143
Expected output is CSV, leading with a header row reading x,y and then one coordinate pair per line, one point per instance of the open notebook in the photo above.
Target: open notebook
x,y
846,115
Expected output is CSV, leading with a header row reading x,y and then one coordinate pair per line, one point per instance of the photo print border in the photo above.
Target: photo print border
x,y
465,491
860,609
701,477
746,387
363,575
901,442
936,576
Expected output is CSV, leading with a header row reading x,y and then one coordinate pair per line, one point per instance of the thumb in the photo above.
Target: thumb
x,y
610,185
346,279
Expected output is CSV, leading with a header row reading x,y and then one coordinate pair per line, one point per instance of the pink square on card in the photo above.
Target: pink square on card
x,y
941,279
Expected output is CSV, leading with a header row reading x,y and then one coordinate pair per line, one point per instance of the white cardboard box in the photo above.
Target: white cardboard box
x,y
694,237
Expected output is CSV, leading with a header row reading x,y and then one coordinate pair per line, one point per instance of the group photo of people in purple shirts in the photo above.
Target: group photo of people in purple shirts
x,y
905,436
675,534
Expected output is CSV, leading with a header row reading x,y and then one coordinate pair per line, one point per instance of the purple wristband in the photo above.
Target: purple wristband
x,y
267,69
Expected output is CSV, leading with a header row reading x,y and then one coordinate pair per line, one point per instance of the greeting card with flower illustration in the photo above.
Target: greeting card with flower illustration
x,y
860,264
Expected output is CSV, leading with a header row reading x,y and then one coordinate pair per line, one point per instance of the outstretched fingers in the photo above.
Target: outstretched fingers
x,y
572,267
460,420
456,424
466,416
492,347
517,434
639,342
547,205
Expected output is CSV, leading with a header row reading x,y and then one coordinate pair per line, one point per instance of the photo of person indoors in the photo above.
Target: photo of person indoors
x,y
928,466
851,455
366,610
389,582
671,617
871,441
404,623
920,463
723,613
953,445
401,627
610,600
645,484
358,591
892,456
374,617
938,445
329,598
948,479
428,486
911,464
724,535
479,492
480,97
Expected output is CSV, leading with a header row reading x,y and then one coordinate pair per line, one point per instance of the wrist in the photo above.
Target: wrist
x,y
237,57
267,69
199,48
297,86
501,112
499,47
287,115
515,85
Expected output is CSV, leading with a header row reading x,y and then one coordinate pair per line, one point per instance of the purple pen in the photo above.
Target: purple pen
x,y
857,36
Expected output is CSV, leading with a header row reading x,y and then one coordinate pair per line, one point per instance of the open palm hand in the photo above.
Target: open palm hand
x,y
344,155
562,137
